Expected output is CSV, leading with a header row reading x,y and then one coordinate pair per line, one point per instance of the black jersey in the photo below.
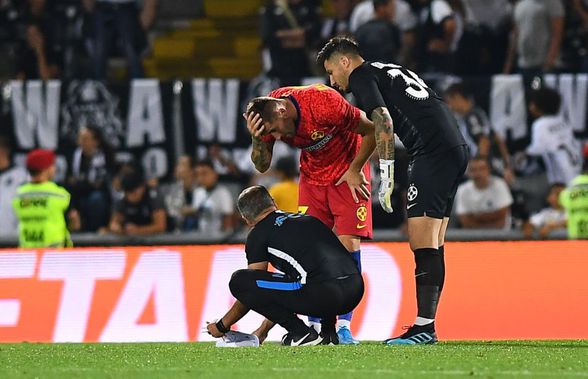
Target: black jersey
x,y
475,125
300,246
422,120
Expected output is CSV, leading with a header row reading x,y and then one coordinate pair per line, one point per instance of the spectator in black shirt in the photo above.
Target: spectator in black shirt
x,y
339,24
90,173
288,28
36,57
379,39
141,211
477,131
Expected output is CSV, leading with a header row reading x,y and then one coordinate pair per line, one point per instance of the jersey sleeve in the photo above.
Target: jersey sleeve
x,y
364,86
479,126
538,219
460,201
156,200
255,248
503,196
539,140
331,109
226,203
119,206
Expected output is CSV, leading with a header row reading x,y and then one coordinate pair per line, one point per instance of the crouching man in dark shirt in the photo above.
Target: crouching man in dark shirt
x,y
318,277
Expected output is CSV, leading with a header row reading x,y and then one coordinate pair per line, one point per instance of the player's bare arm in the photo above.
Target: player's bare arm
x,y
235,313
354,175
263,330
261,153
384,136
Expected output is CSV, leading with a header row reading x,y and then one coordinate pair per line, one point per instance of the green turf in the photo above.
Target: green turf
x,y
499,359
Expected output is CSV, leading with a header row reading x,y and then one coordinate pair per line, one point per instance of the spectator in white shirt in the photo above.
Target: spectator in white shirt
x,y
548,219
10,178
212,202
536,36
484,201
552,137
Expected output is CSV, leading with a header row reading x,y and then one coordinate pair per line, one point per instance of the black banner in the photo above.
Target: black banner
x,y
153,122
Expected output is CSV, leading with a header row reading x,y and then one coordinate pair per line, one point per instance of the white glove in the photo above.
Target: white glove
x,y
386,184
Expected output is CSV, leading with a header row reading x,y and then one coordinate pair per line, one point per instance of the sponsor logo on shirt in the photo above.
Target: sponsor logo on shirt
x,y
320,144
317,134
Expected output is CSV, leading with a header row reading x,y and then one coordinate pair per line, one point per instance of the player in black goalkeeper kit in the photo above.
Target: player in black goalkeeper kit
x,y
397,100
319,276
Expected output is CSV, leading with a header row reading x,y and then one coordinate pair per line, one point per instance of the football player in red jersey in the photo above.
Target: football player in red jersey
x,y
336,140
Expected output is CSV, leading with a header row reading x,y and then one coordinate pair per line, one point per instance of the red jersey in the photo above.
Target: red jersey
x,y
324,131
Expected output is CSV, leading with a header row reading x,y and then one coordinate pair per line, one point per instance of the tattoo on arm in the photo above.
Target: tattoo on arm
x,y
384,133
261,155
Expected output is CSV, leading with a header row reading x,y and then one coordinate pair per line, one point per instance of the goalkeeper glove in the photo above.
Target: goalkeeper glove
x,y
386,184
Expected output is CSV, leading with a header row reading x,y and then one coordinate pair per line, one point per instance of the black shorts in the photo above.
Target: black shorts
x,y
433,181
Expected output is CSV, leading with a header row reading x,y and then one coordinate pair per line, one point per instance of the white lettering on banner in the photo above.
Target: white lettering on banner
x,y
573,90
155,163
159,274
37,111
15,265
383,293
216,104
382,302
508,109
145,116
79,272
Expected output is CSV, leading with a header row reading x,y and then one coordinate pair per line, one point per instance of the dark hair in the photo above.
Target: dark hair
x,y
5,143
263,106
480,157
33,172
205,162
556,185
103,144
458,88
288,166
338,45
253,201
132,180
379,3
546,99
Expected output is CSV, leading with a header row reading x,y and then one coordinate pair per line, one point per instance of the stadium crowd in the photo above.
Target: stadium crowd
x,y
73,39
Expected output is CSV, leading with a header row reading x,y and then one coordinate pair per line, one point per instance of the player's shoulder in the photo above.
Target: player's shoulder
x,y
280,92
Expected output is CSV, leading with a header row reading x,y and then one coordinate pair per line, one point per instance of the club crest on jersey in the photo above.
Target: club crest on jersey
x,y
361,213
412,193
317,134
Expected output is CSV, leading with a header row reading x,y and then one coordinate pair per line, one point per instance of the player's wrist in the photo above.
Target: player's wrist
x,y
221,326
387,169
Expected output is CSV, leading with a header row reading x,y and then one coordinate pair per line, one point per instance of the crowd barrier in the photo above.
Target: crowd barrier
x,y
199,238
494,290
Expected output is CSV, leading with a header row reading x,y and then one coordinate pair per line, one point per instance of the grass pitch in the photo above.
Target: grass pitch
x,y
498,359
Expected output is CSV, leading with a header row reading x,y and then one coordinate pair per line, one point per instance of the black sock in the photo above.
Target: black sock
x,y
442,254
328,325
428,275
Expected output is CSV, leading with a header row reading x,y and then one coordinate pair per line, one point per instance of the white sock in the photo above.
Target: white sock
x,y
343,324
315,325
421,321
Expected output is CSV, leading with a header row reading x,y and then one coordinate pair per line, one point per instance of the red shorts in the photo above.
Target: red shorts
x,y
335,207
